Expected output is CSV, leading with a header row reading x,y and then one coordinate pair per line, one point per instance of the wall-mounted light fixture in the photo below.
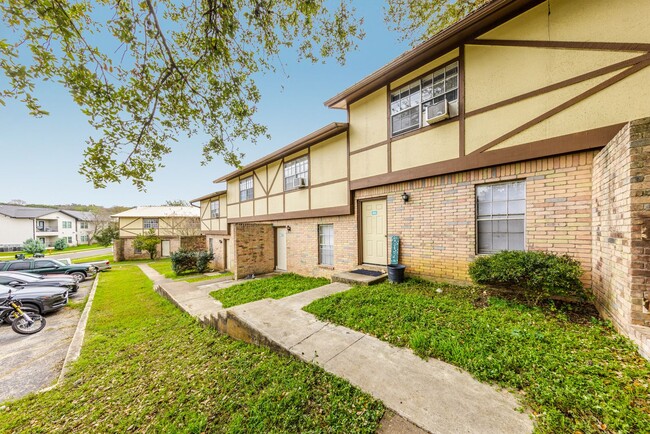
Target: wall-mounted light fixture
x,y
405,197
220,241
288,228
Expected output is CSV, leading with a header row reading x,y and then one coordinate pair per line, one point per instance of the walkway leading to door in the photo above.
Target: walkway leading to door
x,y
431,394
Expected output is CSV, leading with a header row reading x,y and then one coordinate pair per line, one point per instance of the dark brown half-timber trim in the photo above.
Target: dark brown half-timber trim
x,y
474,24
561,84
571,45
327,132
322,212
592,139
389,128
280,167
573,101
215,232
461,101
333,181
260,181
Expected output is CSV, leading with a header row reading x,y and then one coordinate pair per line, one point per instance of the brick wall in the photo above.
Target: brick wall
x,y
254,246
437,226
219,251
621,221
193,242
123,248
302,245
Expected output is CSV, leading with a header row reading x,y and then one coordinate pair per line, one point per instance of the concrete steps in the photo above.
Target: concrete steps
x,y
350,278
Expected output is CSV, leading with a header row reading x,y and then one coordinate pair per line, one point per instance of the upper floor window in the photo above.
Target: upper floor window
x,y
408,104
296,173
65,224
214,209
83,225
246,189
150,223
500,210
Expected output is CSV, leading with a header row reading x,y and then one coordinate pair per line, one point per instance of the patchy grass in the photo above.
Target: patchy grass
x,y
108,257
147,367
49,252
276,287
574,371
202,277
164,267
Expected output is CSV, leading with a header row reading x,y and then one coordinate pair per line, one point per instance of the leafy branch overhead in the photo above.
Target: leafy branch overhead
x,y
146,73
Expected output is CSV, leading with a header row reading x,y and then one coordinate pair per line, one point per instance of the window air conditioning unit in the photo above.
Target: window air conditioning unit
x,y
437,112
297,183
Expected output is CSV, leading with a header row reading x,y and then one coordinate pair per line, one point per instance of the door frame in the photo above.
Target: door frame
x,y
162,248
360,226
275,244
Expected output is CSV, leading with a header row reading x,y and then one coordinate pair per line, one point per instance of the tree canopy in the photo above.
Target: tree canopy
x,y
145,73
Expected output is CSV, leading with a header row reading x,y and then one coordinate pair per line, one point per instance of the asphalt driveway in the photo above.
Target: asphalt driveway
x,y
31,362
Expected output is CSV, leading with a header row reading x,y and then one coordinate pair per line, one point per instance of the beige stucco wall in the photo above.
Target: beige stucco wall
x,y
275,171
297,200
368,163
429,67
209,224
328,160
432,146
368,120
330,195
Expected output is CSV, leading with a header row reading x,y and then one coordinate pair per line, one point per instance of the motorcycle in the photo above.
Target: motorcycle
x,y
23,322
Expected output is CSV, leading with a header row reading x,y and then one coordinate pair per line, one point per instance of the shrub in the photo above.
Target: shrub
x,y
106,236
60,244
33,246
203,259
541,273
148,242
183,261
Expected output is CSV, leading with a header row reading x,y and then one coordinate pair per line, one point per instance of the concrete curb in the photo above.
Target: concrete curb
x,y
77,340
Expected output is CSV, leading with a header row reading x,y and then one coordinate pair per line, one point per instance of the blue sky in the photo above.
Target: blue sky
x,y
41,156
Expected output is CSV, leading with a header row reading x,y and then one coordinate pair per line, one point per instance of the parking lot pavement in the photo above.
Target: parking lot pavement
x,y
29,363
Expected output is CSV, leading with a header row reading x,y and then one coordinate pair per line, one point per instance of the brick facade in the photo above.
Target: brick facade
x,y
621,221
123,248
254,246
437,226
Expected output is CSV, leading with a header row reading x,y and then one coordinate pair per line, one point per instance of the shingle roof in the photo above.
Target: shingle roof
x,y
25,212
160,211
85,216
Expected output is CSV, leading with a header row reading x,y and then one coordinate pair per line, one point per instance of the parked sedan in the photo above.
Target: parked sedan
x,y
39,299
11,278
99,265
49,266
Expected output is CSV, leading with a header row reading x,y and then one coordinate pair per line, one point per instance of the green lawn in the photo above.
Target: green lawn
x,y
147,367
164,267
572,369
276,287
11,255
108,257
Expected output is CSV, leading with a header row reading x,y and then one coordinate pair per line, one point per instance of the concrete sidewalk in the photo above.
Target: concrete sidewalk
x,y
433,395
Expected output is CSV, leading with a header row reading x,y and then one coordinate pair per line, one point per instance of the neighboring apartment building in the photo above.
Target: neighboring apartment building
x,y
20,223
519,127
176,226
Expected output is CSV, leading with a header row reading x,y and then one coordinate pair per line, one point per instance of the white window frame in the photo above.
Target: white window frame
x,y
246,191
424,92
83,225
326,245
214,209
66,224
508,218
69,240
296,168
150,223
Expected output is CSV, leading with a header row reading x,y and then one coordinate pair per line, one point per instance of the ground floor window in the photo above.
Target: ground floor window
x,y
69,240
136,250
500,211
326,244
84,238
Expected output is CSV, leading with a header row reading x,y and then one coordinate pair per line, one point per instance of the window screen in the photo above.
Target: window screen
x,y
500,211
326,244
296,169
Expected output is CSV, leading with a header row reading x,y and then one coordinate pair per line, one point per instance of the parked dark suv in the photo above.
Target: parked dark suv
x,y
49,266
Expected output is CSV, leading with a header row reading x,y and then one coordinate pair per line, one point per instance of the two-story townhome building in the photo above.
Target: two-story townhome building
x,y
521,127
176,226
20,223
